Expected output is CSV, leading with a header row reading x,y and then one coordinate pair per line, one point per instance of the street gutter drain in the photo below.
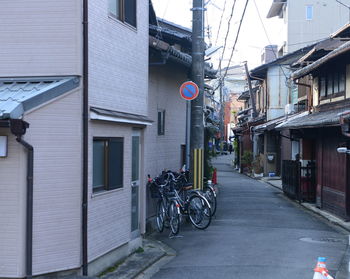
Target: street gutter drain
x,y
322,240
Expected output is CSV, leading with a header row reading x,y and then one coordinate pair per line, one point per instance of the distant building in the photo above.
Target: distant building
x,y
306,22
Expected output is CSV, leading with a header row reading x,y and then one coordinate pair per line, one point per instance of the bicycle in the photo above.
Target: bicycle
x,y
167,205
192,202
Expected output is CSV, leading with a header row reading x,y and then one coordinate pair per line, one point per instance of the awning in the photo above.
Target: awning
x,y
119,117
18,95
313,120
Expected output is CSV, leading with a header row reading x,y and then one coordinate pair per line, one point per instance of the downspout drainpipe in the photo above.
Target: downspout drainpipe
x,y
29,217
85,141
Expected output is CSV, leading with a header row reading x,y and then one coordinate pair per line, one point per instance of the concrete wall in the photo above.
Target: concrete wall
x,y
40,37
328,16
118,57
164,151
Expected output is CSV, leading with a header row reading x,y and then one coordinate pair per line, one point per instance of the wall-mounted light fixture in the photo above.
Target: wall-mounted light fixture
x,y
3,146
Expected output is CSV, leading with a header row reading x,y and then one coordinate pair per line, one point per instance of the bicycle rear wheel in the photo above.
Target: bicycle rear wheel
x,y
199,212
174,217
160,216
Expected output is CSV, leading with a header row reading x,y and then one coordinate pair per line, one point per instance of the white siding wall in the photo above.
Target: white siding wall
x,y
40,37
277,91
12,209
110,211
164,151
56,135
118,60
328,16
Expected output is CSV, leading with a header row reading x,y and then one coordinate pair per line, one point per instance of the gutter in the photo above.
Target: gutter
x,y
85,141
18,128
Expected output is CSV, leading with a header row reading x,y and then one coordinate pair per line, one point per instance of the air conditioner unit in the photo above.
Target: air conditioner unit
x,y
289,109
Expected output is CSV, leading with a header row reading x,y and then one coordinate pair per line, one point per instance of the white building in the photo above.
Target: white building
x,y
307,21
43,82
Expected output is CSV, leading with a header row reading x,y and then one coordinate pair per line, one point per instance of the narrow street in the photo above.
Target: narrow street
x,y
257,233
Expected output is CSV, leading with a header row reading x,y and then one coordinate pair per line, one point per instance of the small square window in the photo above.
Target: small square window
x,y
123,10
107,164
309,12
161,122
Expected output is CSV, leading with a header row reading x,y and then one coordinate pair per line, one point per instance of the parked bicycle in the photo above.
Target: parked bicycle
x,y
192,202
167,205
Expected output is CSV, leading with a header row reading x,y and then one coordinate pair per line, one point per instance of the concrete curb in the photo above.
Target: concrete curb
x,y
138,263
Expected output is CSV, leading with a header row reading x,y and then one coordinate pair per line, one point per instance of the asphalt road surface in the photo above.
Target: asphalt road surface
x,y
257,233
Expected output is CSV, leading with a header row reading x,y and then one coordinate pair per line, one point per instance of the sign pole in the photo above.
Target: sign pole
x,y
197,125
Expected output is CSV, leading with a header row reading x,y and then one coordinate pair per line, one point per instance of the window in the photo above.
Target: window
x,y
332,84
123,10
309,12
107,164
161,122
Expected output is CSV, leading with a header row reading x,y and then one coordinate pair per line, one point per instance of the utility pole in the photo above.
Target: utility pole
x,y
197,125
251,93
222,132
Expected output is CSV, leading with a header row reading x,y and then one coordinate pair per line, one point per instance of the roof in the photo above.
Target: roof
x,y
276,8
245,95
312,67
18,95
343,32
319,50
313,120
269,125
288,59
118,116
178,56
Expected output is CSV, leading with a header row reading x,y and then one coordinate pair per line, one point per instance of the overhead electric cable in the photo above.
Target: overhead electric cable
x,y
222,15
268,39
227,32
237,36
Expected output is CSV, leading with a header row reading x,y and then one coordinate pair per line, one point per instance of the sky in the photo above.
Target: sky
x,y
252,37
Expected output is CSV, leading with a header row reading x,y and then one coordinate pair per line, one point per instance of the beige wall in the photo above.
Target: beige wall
x,y
56,135
110,211
12,208
40,37
118,63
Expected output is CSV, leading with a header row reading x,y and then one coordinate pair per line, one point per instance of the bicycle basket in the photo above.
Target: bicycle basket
x,y
154,190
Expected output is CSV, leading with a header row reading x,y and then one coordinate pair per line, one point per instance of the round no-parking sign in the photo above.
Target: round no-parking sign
x,y
189,90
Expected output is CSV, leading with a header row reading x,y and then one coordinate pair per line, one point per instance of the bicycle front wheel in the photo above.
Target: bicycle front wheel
x,y
211,197
199,212
174,217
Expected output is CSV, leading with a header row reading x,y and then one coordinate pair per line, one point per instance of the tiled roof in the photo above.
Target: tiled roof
x,y
18,95
313,120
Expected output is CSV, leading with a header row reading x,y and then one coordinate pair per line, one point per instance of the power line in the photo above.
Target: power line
x,y
267,36
227,33
222,15
238,31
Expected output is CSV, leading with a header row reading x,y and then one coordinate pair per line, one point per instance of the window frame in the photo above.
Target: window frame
x,y
121,17
336,76
161,122
106,177
309,12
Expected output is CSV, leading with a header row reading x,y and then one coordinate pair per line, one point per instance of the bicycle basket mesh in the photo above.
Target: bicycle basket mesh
x,y
154,190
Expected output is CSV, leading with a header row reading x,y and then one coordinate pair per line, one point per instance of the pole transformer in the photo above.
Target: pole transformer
x,y
197,120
